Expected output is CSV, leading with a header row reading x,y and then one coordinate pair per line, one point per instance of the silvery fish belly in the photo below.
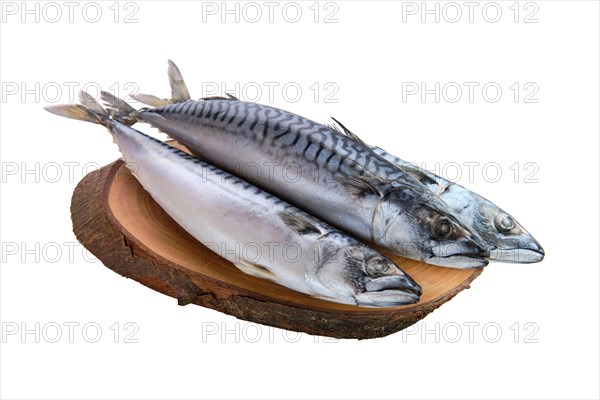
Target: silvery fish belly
x,y
511,242
324,173
257,232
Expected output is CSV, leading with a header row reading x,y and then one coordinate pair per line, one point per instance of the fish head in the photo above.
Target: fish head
x,y
512,242
350,270
417,224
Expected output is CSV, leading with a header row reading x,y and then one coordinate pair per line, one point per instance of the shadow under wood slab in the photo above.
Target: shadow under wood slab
x,y
118,221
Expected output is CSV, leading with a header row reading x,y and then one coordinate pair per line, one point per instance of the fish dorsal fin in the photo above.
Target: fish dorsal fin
x,y
413,171
334,127
255,269
299,224
347,132
179,90
229,97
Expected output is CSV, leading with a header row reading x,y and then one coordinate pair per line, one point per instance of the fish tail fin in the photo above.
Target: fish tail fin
x,y
119,109
179,90
89,110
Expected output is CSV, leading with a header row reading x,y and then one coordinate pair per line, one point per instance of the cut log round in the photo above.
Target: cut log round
x,y
120,223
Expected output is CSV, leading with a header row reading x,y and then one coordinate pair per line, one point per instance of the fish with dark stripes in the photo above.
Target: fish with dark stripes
x,y
511,243
259,233
317,169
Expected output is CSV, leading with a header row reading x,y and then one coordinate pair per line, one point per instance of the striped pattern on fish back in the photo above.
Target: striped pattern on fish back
x,y
202,167
275,128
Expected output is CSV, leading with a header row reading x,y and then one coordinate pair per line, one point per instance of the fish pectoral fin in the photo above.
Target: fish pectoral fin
x,y
299,223
419,175
255,269
359,188
342,300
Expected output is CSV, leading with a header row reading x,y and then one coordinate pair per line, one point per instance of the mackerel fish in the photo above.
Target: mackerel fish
x,y
511,243
259,233
317,169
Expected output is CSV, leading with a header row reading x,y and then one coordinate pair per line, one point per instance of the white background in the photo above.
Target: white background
x,y
370,55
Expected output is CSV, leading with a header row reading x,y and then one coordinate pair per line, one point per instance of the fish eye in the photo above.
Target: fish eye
x,y
504,223
442,229
377,266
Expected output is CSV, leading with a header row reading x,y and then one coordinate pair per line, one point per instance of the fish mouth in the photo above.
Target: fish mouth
x,y
459,256
461,261
398,282
519,255
389,291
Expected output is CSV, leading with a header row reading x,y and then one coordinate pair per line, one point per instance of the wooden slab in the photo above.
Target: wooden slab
x,y
118,221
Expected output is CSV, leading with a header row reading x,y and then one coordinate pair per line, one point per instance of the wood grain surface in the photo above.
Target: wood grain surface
x,y
120,223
